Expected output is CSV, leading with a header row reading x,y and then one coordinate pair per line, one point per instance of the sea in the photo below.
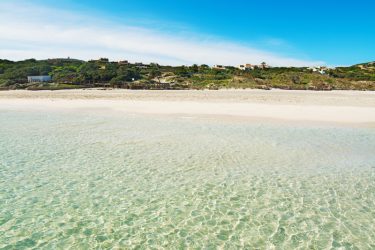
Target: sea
x,y
102,180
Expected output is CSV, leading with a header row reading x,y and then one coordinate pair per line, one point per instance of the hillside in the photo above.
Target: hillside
x,y
72,73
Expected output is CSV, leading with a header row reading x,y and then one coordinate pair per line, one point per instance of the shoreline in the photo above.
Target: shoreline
x,y
273,96
345,107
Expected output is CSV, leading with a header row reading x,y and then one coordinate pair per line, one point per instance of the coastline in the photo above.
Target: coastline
x,y
346,107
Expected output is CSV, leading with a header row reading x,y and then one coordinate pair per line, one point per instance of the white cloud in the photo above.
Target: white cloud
x,y
28,31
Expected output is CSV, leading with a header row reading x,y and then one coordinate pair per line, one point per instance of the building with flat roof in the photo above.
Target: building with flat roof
x,y
31,79
249,66
220,67
246,66
124,62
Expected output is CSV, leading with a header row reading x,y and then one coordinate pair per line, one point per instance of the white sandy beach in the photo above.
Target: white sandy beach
x,y
350,107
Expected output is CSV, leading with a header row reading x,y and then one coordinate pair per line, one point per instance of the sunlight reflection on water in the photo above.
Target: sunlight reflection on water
x,y
102,181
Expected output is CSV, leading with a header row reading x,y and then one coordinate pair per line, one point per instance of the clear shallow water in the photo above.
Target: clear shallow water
x,y
104,181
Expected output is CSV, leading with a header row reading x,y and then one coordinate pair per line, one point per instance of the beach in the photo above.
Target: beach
x,y
346,107
187,125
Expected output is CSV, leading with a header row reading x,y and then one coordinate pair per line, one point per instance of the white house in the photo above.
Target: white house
x,y
249,66
321,69
246,66
39,79
218,66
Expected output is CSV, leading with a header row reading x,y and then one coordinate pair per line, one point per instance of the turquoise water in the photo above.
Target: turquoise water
x,y
84,181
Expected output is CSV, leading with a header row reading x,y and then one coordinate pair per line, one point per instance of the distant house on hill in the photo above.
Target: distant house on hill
x,y
321,69
246,66
124,62
220,67
32,79
249,66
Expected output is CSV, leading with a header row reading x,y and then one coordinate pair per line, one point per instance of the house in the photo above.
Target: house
x,y
249,66
220,67
124,62
321,69
246,66
32,79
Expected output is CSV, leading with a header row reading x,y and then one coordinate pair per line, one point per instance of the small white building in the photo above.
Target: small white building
x,y
216,66
246,66
31,79
249,66
321,69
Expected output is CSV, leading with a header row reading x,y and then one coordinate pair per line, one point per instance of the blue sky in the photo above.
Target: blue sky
x,y
226,32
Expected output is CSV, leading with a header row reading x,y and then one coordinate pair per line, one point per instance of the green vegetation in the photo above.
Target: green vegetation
x,y
71,73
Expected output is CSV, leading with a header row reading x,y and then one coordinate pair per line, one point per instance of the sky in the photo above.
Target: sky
x,y
185,32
